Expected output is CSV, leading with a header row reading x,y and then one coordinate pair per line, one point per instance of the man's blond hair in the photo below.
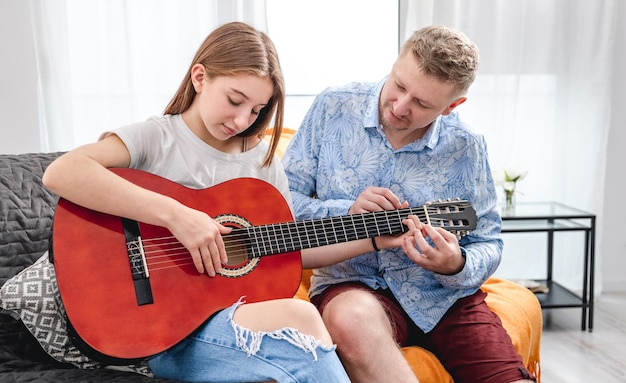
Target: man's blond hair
x,y
445,54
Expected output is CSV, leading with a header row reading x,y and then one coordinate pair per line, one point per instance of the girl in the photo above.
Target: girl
x,y
211,132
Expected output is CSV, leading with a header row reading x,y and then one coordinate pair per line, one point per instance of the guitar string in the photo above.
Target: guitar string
x,y
272,244
176,254
326,223
172,257
239,238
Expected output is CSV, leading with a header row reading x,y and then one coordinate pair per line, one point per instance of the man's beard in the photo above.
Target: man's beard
x,y
394,123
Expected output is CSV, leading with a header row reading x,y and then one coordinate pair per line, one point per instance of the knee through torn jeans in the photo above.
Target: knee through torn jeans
x,y
222,351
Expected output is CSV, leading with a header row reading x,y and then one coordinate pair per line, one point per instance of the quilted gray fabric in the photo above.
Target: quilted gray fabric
x,y
26,211
26,214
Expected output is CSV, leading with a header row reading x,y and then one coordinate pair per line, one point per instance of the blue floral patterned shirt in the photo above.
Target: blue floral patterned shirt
x,y
340,150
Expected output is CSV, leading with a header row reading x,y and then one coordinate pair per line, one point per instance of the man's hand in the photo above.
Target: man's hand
x,y
376,199
445,258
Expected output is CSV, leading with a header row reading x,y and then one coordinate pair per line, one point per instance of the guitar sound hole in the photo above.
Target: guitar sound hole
x,y
235,243
237,253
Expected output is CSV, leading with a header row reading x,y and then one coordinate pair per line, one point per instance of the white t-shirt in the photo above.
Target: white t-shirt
x,y
167,147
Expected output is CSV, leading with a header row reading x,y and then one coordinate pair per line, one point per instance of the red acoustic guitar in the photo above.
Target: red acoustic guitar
x,y
130,289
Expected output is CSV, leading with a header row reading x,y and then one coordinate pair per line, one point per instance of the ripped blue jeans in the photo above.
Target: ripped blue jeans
x,y
222,351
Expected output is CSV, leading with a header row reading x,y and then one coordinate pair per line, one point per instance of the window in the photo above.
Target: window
x,y
324,43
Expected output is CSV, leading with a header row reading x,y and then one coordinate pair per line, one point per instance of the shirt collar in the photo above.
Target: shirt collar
x,y
431,137
371,118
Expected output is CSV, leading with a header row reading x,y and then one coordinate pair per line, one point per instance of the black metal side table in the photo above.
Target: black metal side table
x,y
553,217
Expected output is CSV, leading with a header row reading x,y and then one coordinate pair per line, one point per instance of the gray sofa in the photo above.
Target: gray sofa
x,y
26,213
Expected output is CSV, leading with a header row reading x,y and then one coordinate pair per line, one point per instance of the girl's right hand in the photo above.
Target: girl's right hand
x,y
202,237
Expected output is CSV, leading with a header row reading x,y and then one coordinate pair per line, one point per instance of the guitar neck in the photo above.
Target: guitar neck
x,y
291,236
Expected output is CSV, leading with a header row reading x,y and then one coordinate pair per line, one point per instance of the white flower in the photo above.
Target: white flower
x,y
509,186
499,177
508,177
515,175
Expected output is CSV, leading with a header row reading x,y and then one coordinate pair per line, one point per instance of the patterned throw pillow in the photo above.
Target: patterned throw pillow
x,y
32,296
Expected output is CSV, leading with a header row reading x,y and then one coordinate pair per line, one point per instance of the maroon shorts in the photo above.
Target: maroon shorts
x,y
469,340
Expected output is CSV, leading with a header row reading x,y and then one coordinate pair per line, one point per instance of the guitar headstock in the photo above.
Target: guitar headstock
x,y
455,215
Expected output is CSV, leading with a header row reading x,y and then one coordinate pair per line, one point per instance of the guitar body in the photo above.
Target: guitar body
x,y
95,279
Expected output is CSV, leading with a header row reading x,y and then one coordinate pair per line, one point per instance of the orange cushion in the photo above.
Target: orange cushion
x,y
285,136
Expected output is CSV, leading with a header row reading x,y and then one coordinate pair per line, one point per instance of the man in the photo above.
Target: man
x,y
377,146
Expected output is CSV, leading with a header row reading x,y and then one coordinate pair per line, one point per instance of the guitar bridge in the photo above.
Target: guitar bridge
x,y
137,262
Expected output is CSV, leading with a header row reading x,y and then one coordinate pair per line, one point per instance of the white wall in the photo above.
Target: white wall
x,y
18,76
19,132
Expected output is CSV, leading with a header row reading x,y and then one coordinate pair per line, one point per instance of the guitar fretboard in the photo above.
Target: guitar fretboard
x,y
291,236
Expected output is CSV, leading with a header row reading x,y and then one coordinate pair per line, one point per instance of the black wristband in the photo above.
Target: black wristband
x,y
374,244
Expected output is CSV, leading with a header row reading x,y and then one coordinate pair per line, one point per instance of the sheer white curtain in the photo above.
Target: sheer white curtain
x,y
106,63
542,99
